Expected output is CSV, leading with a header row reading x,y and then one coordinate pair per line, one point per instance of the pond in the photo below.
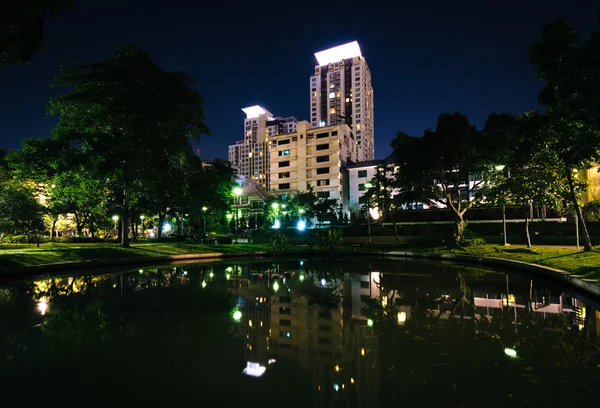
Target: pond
x,y
302,332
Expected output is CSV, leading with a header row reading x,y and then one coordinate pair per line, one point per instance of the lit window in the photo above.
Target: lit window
x,y
332,110
358,127
332,94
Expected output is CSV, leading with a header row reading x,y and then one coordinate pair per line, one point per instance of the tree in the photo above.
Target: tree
x,y
22,27
571,98
20,210
449,166
128,118
532,173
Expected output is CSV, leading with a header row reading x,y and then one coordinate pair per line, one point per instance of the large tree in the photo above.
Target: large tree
x,y
571,98
450,165
22,27
129,118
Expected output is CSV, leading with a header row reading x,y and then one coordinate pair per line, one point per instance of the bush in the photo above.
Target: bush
x,y
470,239
279,242
224,240
330,240
591,211
22,239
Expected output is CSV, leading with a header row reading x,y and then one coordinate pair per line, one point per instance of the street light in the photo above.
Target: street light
x,y
115,219
237,191
204,208
500,167
275,207
368,185
142,218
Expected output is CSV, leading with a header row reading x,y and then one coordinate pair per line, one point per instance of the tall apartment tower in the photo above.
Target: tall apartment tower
x,y
251,156
341,92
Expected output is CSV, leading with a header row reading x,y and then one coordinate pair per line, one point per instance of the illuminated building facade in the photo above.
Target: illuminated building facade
x,y
313,158
251,155
341,93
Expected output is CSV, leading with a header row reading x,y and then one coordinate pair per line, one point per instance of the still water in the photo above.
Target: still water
x,y
306,333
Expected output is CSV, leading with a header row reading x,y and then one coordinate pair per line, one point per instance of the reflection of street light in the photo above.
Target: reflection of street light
x,y
368,185
142,218
237,191
42,306
276,286
510,352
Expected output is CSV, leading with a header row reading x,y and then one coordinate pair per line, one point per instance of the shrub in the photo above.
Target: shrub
x,y
330,240
470,239
591,211
279,243
224,240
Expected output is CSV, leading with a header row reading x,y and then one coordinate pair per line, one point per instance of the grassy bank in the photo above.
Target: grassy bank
x,y
571,260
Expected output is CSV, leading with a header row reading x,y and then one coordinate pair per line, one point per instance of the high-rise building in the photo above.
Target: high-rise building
x,y
341,92
251,156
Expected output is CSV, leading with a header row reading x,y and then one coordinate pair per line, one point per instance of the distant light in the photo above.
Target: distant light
x,y
203,284
370,322
335,54
510,352
227,276
237,315
323,282
272,361
254,111
237,191
337,368
167,227
274,206
254,369
301,211
115,217
301,263
250,322
283,205
229,269
301,225
336,387
211,274
500,167
374,213
276,225
141,271
152,235
351,380
184,273
276,286
362,352
204,208
301,278
142,217
322,123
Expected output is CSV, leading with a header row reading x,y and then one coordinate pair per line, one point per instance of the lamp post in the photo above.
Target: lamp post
x,y
500,167
237,191
368,185
204,223
116,219
142,218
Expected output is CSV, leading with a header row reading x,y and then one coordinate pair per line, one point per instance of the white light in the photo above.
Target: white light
x,y
510,352
338,53
374,213
322,123
237,315
276,225
42,306
237,191
152,235
301,225
323,282
332,94
336,387
254,111
276,286
401,317
203,284
272,361
301,278
254,369
167,227
301,263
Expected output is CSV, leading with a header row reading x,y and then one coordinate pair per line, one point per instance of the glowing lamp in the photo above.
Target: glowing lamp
x,y
510,352
254,111
301,225
276,286
370,322
254,369
237,315
237,191
335,54
276,224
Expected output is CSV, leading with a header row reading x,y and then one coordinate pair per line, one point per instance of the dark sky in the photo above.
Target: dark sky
x,y
426,57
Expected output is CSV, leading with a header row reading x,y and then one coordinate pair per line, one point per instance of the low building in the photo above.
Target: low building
x,y
250,204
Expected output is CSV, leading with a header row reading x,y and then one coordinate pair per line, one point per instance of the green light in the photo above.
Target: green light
x,y
510,352
301,278
237,191
212,275
370,322
368,184
276,286
227,276
203,284
229,216
301,211
237,315
229,269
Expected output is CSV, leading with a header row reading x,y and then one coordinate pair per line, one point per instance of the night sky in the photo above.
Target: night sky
x,y
425,58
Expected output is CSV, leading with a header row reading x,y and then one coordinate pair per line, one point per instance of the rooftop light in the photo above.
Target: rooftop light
x,y
338,53
254,111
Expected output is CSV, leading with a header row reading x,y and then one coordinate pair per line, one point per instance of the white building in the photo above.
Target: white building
x,y
313,157
341,92
251,155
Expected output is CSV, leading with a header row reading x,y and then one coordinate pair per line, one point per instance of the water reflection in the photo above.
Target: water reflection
x,y
308,333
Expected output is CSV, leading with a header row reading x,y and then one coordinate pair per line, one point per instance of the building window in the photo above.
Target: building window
x,y
325,340
284,163
332,111
323,170
284,322
362,173
283,153
325,315
323,182
362,200
324,146
321,159
361,187
285,299
284,175
283,142
284,186
244,200
325,328
323,194
285,310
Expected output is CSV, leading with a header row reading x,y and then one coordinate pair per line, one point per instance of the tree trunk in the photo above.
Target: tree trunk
x,y
527,232
587,244
396,230
125,220
161,219
37,240
92,227
460,227
54,220
133,227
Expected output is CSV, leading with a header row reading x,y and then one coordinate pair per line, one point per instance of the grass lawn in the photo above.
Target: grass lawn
x,y
571,260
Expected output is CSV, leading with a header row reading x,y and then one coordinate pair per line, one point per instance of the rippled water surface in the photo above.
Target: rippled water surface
x,y
306,333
